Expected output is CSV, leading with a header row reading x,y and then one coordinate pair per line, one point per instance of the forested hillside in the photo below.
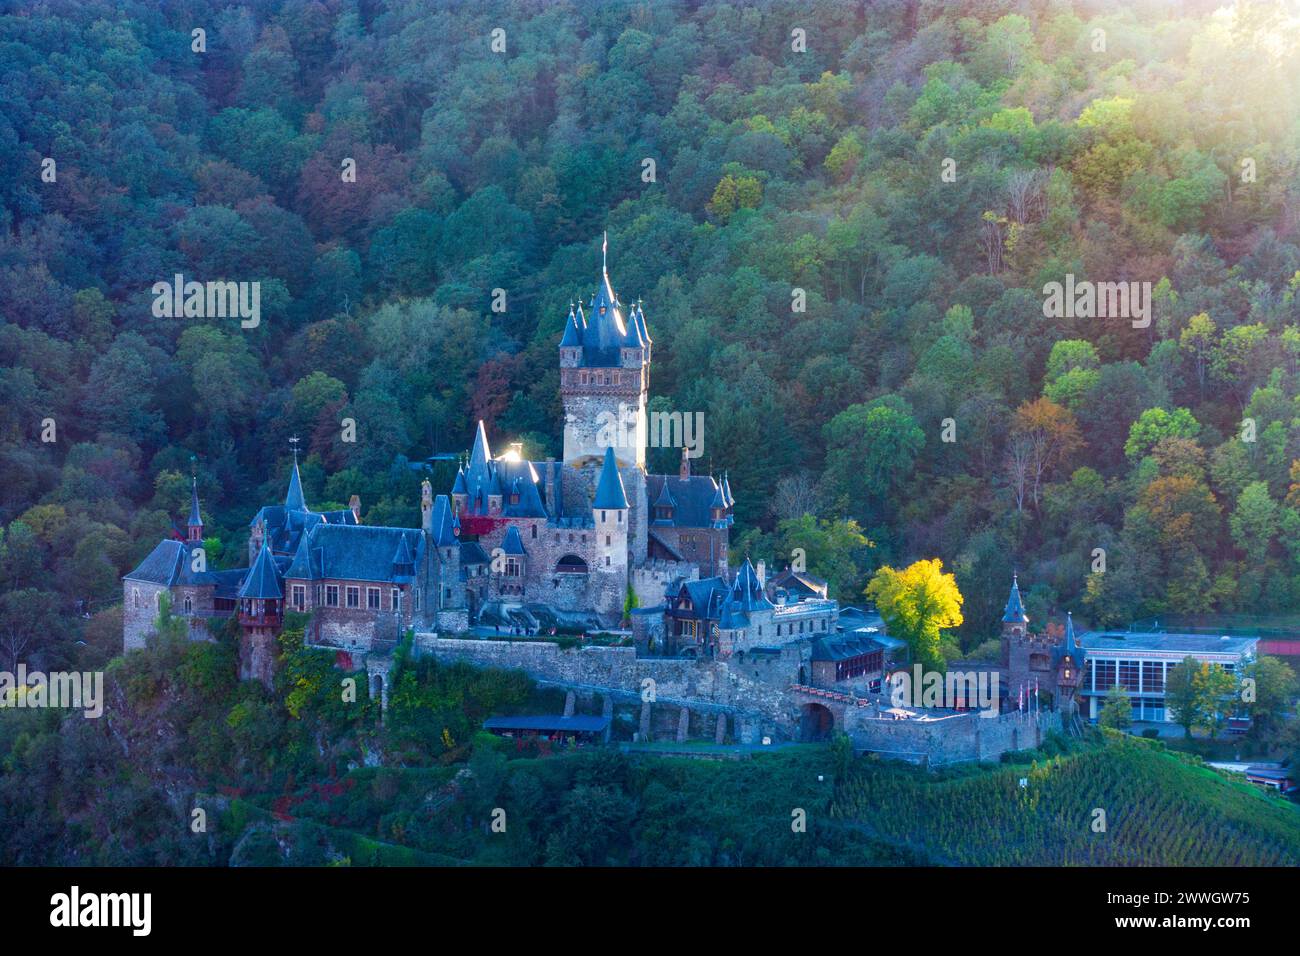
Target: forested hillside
x,y
842,241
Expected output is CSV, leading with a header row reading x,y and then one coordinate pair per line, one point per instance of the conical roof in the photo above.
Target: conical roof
x,y
294,500
609,491
262,580
1015,609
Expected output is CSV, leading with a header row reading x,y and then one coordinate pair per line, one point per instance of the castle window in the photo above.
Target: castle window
x,y
354,596
135,596
372,599
604,515
534,532
299,596
607,541
189,605
620,517
606,560
395,600
331,595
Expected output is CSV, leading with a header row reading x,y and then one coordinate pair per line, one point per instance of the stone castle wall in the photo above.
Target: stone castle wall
x,y
956,738
618,668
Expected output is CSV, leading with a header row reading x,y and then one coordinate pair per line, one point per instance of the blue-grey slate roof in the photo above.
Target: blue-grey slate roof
x,y
263,579
355,552
693,496
1014,612
195,520
516,481
513,543
609,490
293,499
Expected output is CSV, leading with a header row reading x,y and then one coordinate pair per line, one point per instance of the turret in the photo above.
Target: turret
x,y
459,491
261,614
195,525
610,512
1015,622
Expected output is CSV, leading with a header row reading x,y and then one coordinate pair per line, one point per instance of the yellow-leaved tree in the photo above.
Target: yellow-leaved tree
x,y
917,603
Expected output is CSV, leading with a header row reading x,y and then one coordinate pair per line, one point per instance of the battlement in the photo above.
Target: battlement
x,y
1035,641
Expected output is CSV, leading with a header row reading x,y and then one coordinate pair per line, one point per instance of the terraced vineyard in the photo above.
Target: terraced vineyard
x,y
1161,808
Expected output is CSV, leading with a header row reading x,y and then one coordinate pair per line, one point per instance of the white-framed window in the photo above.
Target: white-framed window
x,y
331,595
372,599
299,596
353,596
395,599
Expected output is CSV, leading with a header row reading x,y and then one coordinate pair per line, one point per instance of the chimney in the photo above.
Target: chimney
x,y
426,505
685,471
354,505
761,570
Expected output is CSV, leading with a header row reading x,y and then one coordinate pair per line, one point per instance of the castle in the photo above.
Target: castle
x,y
516,542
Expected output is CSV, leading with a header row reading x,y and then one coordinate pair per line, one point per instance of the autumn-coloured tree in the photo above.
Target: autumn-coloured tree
x,y
1043,436
917,604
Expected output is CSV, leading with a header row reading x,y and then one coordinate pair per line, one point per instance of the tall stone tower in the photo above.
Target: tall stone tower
x,y
605,387
605,381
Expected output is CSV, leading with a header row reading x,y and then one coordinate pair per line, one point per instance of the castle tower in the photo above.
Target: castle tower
x,y
605,381
194,533
1015,622
261,614
610,513
1071,658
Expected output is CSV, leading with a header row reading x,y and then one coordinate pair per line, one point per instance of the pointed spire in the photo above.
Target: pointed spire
x,y
1015,609
609,490
481,453
294,500
572,331
196,520
604,254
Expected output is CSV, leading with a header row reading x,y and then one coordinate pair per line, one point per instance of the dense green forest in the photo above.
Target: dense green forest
x,y
842,242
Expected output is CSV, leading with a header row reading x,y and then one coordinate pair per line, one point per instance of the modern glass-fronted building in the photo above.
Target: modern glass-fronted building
x,y
1140,663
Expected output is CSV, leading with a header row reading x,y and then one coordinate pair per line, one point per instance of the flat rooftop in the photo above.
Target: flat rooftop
x,y
551,723
1167,643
